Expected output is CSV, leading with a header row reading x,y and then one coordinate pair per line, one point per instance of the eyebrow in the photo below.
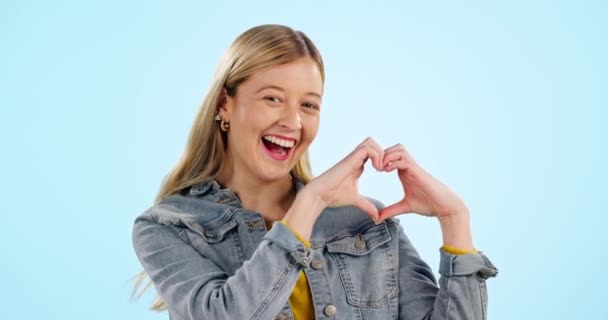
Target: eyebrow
x,y
281,89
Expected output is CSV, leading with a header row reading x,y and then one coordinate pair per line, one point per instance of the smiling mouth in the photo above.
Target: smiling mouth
x,y
277,148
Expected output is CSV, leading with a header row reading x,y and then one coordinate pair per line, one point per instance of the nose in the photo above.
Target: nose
x,y
291,119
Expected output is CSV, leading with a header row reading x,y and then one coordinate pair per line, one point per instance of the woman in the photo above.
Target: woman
x,y
241,229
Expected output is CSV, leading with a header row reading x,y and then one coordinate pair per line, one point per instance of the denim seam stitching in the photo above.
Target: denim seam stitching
x,y
275,289
482,297
447,309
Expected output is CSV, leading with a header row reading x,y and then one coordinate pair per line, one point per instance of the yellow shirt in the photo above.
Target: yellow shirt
x,y
301,298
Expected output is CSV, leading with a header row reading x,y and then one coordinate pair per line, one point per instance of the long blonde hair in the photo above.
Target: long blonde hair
x,y
256,49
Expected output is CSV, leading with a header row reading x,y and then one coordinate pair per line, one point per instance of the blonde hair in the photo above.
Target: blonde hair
x,y
256,49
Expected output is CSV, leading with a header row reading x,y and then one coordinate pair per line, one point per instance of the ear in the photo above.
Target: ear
x,y
225,105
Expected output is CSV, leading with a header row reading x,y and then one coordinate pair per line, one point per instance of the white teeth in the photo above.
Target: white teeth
x,y
281,142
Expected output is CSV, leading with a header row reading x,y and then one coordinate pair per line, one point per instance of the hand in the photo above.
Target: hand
x,y
339,186
424,194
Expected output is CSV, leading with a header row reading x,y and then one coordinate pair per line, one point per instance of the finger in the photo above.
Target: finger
x,y
392,154
380,152
400,164
397,164
392,210
392,157
365,151
368,207
398,146
374,145
402,150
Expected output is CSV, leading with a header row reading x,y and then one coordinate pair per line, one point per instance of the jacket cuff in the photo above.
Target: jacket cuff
x,y
281,236
306,243
466,264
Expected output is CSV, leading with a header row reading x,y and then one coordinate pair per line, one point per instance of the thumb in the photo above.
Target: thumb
x,y
368,207
392,210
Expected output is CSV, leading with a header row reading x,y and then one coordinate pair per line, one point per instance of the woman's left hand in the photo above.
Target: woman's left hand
x,y
424,194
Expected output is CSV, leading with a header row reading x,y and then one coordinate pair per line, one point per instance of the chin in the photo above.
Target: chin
x,y
273,175
271,169
269,172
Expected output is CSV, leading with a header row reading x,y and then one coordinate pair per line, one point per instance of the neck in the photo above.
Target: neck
x,y
271,199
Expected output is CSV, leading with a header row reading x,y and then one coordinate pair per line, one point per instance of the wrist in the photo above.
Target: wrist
x,y
314,199
303,213
456,231
299,236
454,217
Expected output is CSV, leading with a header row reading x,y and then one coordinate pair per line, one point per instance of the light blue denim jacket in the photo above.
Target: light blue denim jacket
x,y
209,258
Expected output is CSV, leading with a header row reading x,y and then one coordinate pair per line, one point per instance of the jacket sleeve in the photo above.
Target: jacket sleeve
x,y
461,293
194,287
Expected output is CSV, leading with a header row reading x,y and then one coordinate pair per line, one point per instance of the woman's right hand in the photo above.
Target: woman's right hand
x,y
339,185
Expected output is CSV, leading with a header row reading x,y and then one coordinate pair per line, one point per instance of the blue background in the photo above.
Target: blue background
x,y
502,101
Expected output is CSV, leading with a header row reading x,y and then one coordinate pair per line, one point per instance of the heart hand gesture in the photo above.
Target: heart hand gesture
x,y
423,194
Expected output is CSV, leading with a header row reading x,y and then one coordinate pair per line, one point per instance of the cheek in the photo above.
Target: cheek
x,y
256,116
249,120
311,127
243,135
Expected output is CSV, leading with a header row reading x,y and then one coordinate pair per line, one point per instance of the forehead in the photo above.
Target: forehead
x,y
300,75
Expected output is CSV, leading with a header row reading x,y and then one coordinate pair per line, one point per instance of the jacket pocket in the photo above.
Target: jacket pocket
x,y
366,266
218,242
213,232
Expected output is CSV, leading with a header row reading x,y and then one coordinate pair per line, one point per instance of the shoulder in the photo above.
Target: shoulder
x,y
179,210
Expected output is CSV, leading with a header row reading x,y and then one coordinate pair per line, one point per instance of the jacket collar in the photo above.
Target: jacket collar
x,y
204,187
212,186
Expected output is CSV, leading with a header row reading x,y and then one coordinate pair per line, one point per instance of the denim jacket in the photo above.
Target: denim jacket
x,y
209,258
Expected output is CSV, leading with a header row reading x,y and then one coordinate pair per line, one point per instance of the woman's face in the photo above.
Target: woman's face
x,y
273,117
